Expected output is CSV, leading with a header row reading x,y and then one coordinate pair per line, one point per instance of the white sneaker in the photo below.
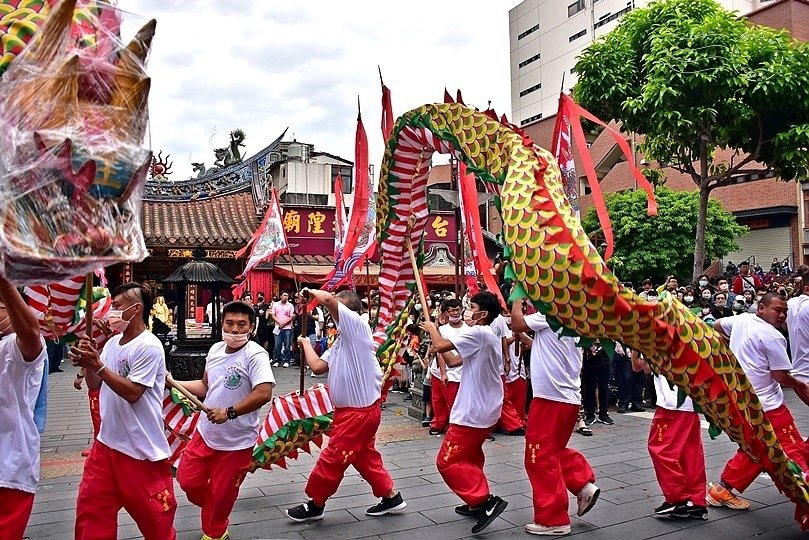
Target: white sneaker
x,y
275,364
313,375
286,364
587,498
542,530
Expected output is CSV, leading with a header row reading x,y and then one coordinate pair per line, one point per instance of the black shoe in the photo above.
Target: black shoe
x,y
408,397
606,420
489,512
464,510
436,432
517,432
387,506
426,422
57,370
665,509
690,511
636,408
621,409
590,420
307,511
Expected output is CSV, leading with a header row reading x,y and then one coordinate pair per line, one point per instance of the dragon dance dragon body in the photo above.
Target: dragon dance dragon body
x,y
552,263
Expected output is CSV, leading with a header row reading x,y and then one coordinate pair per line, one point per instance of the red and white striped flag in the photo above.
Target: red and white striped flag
x,y
269,239
179,423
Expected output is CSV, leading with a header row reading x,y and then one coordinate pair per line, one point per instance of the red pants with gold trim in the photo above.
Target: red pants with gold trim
x,y
512,417
352,441
553,469
211,480
111,481
460,463
675,446
741,470
443,399
95,412
15,509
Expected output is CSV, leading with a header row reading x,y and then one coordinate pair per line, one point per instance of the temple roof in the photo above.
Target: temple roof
x,y
222,222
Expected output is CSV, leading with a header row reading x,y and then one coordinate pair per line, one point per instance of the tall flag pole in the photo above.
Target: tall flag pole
x,y
360,235
387,109
268,241
340,216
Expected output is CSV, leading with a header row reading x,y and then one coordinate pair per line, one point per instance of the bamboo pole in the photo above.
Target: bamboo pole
x,y
88,305
425,309
184,391
301,355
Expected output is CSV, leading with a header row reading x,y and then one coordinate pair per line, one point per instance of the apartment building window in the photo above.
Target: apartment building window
x,y
531,89
576,36
575,7
526,62
346,174
609,17
529,31
530,119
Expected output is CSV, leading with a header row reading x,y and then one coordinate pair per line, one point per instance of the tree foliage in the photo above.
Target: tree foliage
x,y
682,71
654,247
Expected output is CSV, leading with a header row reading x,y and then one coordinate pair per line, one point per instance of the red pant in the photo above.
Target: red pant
x,y
460,463
15,509
553,469
675,446
741,470
211,480
352,441
95,412
111,481
443,399
512,417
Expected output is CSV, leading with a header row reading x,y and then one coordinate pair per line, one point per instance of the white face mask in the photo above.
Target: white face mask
x,y
723,287
703,283
115,318
234,341
455,319
688,299
706,295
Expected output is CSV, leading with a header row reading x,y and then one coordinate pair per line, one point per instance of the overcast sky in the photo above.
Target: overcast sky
x,y
263,65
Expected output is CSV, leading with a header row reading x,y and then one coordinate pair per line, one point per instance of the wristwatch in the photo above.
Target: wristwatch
x,y
232,414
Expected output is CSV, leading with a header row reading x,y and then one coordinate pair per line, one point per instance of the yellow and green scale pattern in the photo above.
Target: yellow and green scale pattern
x,y
553,264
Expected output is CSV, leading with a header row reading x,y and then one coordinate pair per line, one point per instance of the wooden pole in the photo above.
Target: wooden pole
x,y
88,305
422,296
301,355
184,391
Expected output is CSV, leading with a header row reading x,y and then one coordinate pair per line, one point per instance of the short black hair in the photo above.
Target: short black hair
x,y
412,328
351,300
489,303
769,297
744,263
646,281
139,293
449,304
237,306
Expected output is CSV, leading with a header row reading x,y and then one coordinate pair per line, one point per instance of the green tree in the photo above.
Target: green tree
x,y
693,78
654,247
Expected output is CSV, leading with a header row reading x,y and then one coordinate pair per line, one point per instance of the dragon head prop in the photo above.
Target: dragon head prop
x,y
72,163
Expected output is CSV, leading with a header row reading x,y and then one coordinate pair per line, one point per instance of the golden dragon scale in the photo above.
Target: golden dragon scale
x,y
554,265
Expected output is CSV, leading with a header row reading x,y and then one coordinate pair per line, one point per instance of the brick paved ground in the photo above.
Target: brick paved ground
x,y
617,453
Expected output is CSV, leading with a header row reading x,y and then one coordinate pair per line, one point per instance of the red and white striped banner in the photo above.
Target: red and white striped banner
x,y
314,402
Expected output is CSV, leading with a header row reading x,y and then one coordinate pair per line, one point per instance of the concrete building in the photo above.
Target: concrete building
x,y
547,36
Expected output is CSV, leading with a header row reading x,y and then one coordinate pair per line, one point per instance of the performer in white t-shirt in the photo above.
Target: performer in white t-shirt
x,y
553,469
445,380
675,446
355,386
127,466
238,381
512,416
476,409
798,328
762,352
22,361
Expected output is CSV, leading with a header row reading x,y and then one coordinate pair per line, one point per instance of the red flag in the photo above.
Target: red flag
x,y
340,216
567,121
270,238
473,231
360,235
387,112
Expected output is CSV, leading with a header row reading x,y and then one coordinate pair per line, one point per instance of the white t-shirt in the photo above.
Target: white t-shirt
x,y
453,373
760,349
135,429
480,395
667,396
355,378
798,328
19,438
231,378
555,363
